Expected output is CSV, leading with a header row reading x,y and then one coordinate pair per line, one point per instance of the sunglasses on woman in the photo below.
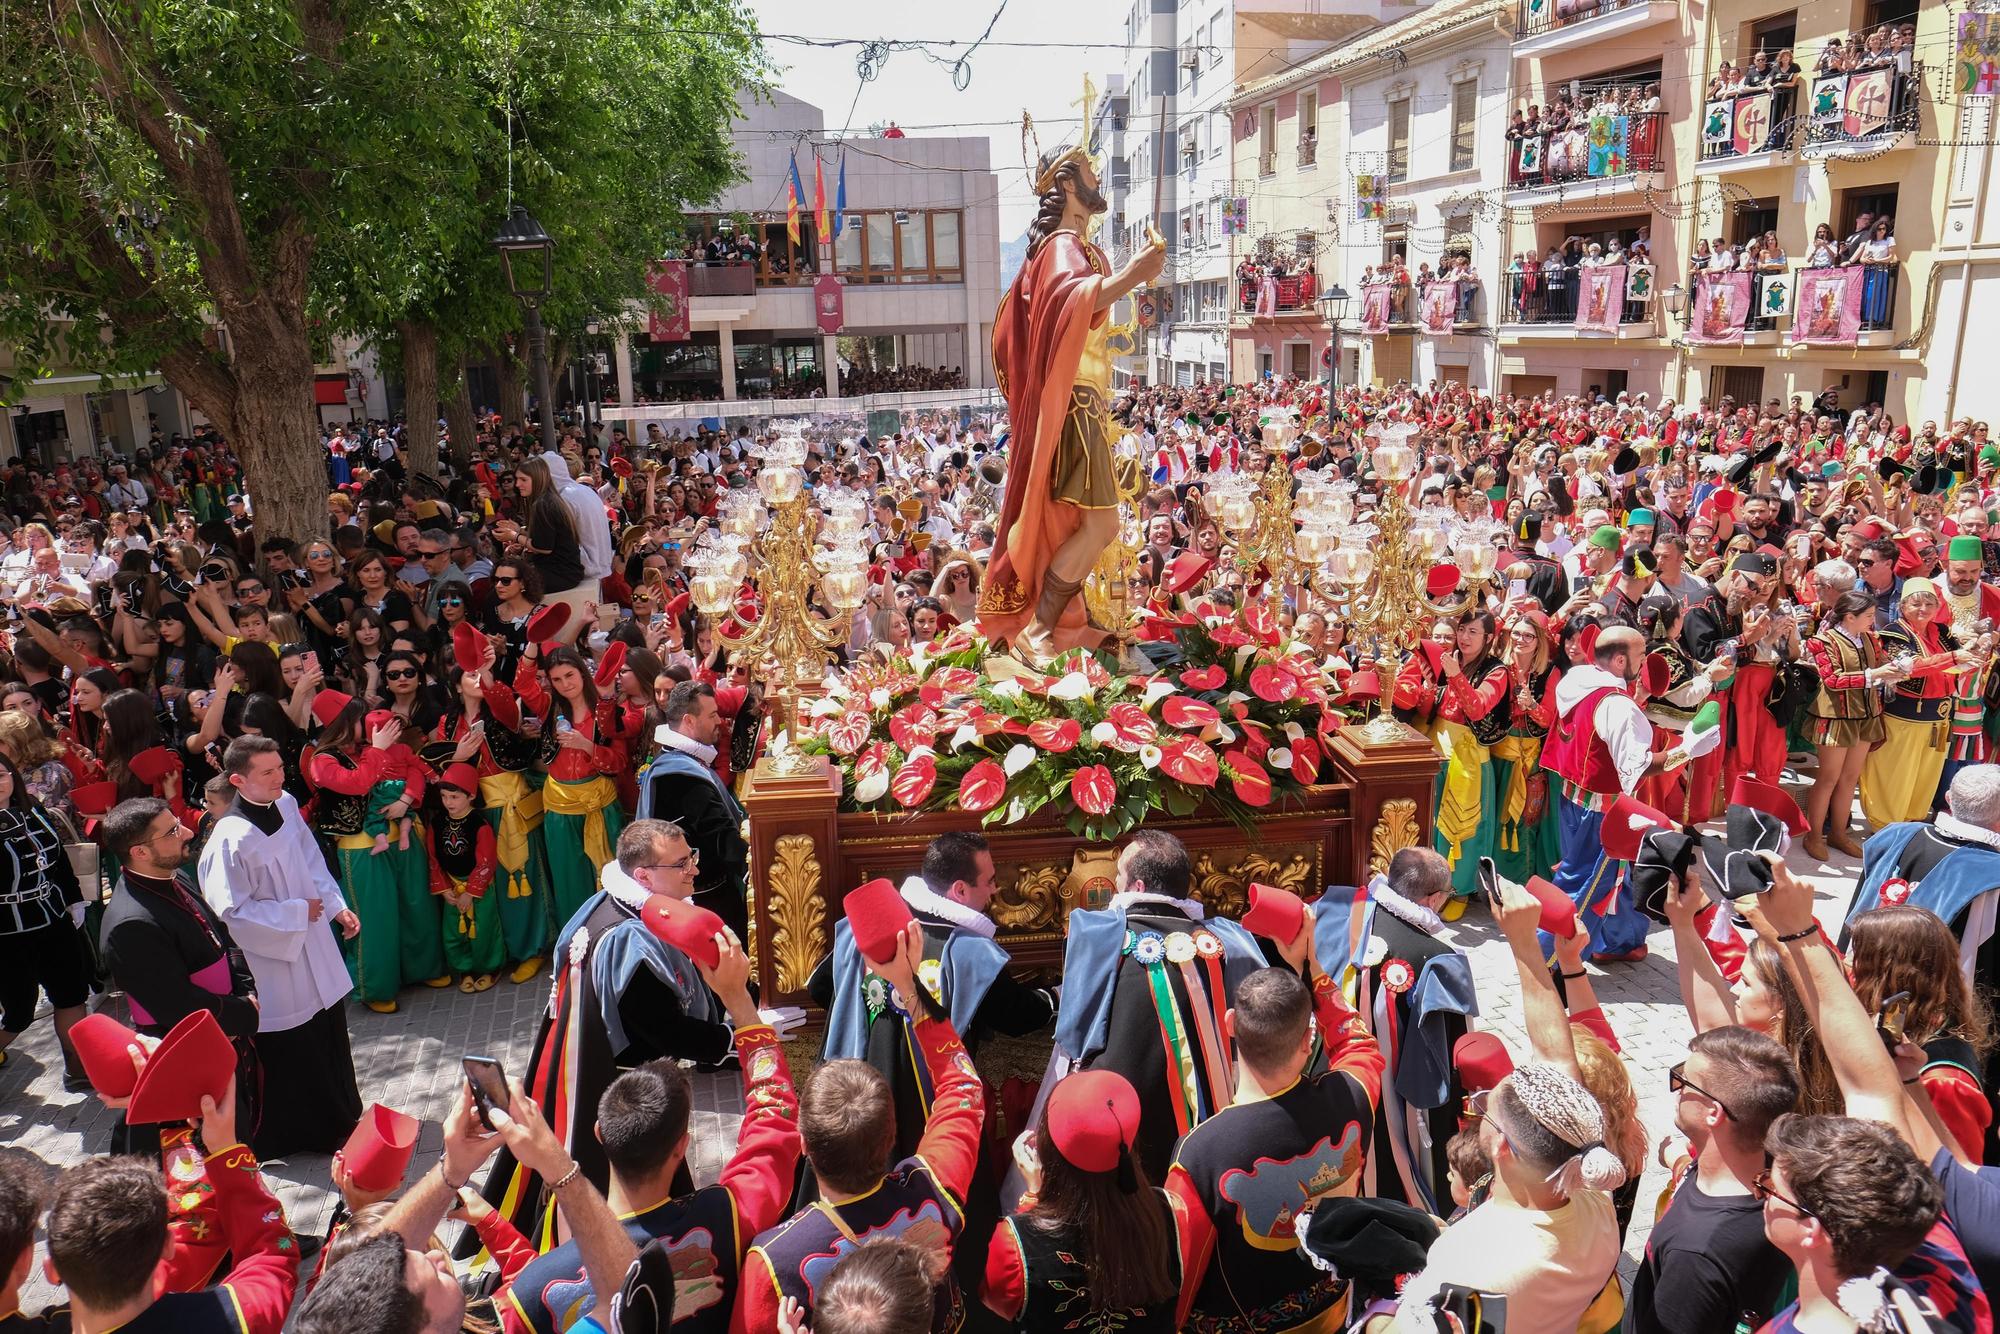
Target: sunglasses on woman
x,y
451,602
400,674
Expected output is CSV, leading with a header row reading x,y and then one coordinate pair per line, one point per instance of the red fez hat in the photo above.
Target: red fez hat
x,y
676,605
379,1150
689,928
1558,912
1868,530
1185,571
1771,799
612,663
1442,581
1626,821
1481,1059
1276,914
1659,673
1093,1118
1724,501
1909,561
877,914
100,1043
468,647
547,622
154,763
621,467
94,798
192,1060
379,718
463,777
1364,685
327,704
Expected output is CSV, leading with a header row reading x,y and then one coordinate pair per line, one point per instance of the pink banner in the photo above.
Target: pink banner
x,y
1828,313
1440,307
670,323
1375,308
1600,298
1721,307
829,303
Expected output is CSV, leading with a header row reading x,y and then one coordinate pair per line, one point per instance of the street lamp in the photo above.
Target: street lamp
x,y
1333,305
593,400
527,253
1676,301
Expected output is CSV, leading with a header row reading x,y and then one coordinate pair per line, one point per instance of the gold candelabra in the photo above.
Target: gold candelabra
x,y
773,538
1107,592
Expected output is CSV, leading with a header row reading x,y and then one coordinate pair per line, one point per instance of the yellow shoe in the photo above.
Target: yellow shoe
x,y
526,969
1454,908
483,982
381,1007
439,983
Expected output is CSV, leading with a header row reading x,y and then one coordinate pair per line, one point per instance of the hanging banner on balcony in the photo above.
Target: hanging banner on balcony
x,y
1638,284
1375,308
1235,215
1600,298
1866,107
669,324
1750,129
1440,307
1721,308
1774,295
1979,54
829,303
1829,99
1610,145
1371,198
1528,157
1716,125
1829,313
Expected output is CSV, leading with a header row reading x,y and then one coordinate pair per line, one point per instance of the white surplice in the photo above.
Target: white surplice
x,y
263,885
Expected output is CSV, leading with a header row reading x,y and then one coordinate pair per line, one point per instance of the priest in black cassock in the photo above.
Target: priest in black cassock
x,y
264,877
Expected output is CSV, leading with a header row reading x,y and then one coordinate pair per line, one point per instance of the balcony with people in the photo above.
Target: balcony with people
x,y
1543,27
1595,285
1277,285
1859,97
1582,136
733,254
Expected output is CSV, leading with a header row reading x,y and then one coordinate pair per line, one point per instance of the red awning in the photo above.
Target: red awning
x,y
331,390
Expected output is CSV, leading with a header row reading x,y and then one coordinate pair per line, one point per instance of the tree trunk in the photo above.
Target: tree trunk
x,y
420,394
462,422
266,413
507,373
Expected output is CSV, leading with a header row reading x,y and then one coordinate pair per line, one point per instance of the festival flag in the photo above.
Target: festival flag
x,y
792,198
1829,313
1866,106
840,200
820,224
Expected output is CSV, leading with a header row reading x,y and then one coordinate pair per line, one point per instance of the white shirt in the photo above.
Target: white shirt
x,y
593,526
1619,723
263,886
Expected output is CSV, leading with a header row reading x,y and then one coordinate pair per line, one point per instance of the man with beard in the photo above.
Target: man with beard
x,y
1050,347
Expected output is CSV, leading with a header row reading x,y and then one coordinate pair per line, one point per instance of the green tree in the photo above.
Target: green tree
x,y
194,185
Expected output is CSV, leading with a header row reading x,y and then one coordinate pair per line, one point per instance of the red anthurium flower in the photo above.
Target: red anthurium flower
x,y
982,787
1271,681
1210,677
1329,723
1154,630
913,725
1247,777
1189,714
914,781
1259,621
959,640
1014,726
1189,760
1055,735
1305,759
847,732
1093,672
987,723
1093,789
872,760
930,693
1255,744
955,680
1228,635
1135,729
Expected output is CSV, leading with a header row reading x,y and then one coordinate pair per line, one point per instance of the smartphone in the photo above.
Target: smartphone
x,y
1488,879
1517,588
624,613
1892,1019
489,1086
656,618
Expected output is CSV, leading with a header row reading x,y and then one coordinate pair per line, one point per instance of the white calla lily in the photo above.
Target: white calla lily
x,y
826,707
1007,689
1295,732
872,788
1019,757
1157,690
1150,756
1103,734
1073,686
1280,758
964,736
878,698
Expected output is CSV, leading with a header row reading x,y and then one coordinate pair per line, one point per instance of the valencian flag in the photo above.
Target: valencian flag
x,y
840,200
820,224
792,203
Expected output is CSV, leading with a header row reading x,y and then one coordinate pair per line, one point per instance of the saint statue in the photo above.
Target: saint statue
x,y
1050,350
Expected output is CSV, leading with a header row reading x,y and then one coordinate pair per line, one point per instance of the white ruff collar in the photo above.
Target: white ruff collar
x,y
919,896
1952,827
1407,911
1126,900
622,887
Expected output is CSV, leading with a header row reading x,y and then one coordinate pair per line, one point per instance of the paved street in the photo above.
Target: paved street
x,y
410,1061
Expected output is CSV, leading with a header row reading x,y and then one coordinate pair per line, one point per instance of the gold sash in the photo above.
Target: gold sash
x,y
1525,752
520,807
587,801
1458,801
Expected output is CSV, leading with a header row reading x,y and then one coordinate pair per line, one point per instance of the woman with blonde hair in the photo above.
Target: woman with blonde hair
x,y
1908,951
27,744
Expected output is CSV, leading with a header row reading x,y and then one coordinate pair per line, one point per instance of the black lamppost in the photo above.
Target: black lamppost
x,y
1333,305
593,406
528,255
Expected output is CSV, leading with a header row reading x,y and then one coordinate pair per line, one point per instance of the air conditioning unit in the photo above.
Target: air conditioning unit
x,y
1192,60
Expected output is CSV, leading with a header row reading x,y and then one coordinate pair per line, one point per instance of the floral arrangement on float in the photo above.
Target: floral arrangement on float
x,y
1240,723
